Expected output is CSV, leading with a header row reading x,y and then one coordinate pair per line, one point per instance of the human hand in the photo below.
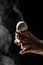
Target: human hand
x,y
29,43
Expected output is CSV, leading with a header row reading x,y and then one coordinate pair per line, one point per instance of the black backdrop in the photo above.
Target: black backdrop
x,y
34,18
33,15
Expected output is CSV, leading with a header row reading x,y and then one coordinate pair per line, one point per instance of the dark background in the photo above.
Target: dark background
x,y
33,15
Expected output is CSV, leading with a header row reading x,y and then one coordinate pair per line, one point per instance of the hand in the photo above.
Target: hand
x,y
29,43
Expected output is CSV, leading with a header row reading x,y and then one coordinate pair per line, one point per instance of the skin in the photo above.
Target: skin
x,y
29,43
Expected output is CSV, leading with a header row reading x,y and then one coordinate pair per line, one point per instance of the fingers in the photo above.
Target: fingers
x,y
23,32
24,37
27,34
